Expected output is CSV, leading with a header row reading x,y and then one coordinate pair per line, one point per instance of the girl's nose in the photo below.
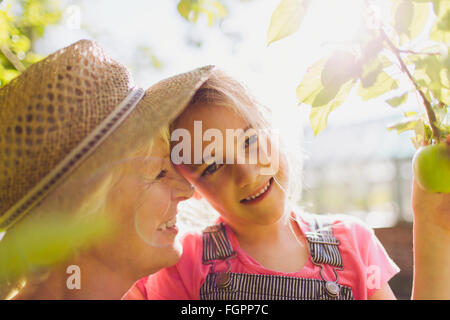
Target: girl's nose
x,y
245,174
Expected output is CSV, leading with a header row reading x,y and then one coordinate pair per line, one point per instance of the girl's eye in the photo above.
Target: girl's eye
x,y
213,167
161,175
251,140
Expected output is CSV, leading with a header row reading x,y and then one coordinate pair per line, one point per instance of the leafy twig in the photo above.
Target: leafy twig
x,y
12,58
419,53
429,110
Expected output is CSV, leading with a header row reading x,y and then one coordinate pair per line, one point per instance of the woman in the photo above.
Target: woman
x,y
77,137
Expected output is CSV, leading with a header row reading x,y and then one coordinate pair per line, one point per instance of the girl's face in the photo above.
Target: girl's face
x,y
240,192
143,204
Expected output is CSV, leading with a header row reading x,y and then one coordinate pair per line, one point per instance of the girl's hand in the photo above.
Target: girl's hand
x,y
431,209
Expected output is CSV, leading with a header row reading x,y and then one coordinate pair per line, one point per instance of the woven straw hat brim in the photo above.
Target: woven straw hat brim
x,y
161,104
76,105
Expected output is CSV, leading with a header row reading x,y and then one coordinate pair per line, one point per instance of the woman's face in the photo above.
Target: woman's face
x,y
241,192
143,204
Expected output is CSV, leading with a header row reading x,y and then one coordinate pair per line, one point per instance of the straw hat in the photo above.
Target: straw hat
x,y
78,103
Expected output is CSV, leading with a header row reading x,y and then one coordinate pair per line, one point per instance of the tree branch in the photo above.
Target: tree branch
x,y
12,58
429,110
419,53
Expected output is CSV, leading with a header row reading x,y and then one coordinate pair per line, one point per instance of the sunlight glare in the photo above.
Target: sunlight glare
x,y
336,21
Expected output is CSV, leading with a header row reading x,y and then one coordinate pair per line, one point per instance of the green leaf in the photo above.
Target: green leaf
x,y
286,19
445,96
419,19
383,83
311,83
318,116
32,57
440,35
20,43
441,114
370,72
404,14
339,68
416,123
436,6
10,74
184,8
325,96
432,73
444,21
191,9
403,125
219,8
441,30
371,48
396,101
410,113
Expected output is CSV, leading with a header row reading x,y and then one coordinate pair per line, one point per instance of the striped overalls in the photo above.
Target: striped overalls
x,y
228,285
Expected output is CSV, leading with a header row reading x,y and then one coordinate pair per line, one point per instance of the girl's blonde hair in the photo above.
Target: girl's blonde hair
x,y
222,89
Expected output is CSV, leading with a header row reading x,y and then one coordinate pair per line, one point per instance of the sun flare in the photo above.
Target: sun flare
x,y
336,21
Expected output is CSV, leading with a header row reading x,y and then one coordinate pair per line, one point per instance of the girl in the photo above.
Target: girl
x,y
262,247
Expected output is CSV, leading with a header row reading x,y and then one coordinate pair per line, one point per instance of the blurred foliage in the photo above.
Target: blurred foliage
x,y
37,243
367,64
22,22
192,9
149,55
19,31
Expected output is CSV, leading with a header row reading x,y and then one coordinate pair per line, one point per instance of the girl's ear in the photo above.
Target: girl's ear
x,y
197,195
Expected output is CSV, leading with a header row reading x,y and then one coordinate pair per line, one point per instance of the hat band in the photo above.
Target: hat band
x,y
72,160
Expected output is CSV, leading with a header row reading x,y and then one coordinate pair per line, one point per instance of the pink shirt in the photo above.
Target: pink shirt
x,y
367,267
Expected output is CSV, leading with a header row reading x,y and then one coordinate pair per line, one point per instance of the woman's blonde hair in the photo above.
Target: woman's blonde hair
x,y
95,202
91,202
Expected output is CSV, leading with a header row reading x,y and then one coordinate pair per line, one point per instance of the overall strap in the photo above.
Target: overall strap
x,y
216,245
323,245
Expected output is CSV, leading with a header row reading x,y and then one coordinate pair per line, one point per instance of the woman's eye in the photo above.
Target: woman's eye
x,y
251,140
161,175
213,167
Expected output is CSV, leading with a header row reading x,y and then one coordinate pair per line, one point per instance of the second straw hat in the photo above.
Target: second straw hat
x,y
76,103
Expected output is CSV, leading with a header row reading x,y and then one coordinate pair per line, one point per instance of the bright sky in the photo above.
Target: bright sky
x,y
273,72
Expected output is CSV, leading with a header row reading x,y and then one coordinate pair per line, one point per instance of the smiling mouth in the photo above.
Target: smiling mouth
x,y
260,194
168,225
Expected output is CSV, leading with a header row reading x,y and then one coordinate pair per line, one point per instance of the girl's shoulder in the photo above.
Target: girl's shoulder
x,y
192,242
335,220
344,227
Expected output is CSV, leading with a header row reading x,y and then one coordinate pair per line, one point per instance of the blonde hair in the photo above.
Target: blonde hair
x,y
95,202
222,89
